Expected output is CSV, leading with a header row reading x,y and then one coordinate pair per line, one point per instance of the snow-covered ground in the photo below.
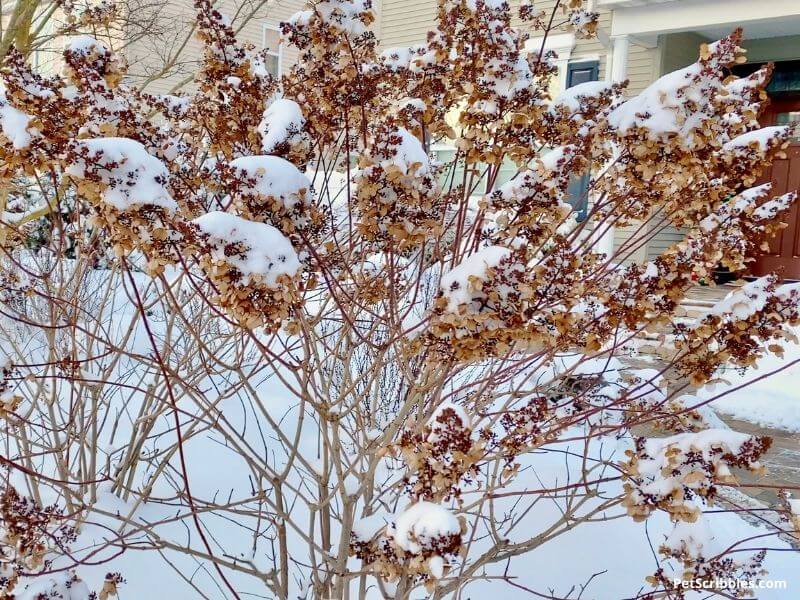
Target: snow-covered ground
x,y
768,395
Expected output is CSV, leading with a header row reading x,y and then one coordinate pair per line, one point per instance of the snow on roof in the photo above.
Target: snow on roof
x,y
267,252
274,177
131,175
282,119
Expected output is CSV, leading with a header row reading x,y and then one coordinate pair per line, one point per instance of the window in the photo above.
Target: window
x,y
581,72
578,190
271,42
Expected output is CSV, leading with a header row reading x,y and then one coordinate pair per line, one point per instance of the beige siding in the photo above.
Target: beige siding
x,y
406,22
665,238
642,68
679,50
148,55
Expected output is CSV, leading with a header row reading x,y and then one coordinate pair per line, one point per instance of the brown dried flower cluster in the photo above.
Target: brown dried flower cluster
x,y
367,281
670,473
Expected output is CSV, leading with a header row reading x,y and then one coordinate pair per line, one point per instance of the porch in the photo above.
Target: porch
x,y
674,29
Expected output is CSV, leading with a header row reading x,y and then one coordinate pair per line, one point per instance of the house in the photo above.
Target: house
x,y
159,44
669,32
640,40
179,50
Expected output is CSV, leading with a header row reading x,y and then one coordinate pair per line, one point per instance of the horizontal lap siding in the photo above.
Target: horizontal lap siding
x,y
642,68
407,22
148,54
663,240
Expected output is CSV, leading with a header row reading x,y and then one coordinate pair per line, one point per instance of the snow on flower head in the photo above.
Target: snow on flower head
x,y
282,126
760,139
572,97
14,123
349,16
128,174
678,104
254,249
426,529
406,154
86,45
83,54
449,412
667,473
744,301
272,176
692,539
462,284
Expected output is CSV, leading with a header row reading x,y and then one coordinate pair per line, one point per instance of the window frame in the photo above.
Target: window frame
x,y
580,65
581,207
276,53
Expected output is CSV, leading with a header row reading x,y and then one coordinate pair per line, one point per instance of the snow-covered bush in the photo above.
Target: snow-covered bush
x,y
271,345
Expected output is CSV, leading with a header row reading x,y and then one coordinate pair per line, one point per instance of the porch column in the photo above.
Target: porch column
x,y
619,58
619,72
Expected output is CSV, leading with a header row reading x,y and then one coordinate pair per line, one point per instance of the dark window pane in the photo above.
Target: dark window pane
x,y
581,76
578,188
582,72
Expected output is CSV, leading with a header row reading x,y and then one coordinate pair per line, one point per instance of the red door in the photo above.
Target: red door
x,y
784,251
